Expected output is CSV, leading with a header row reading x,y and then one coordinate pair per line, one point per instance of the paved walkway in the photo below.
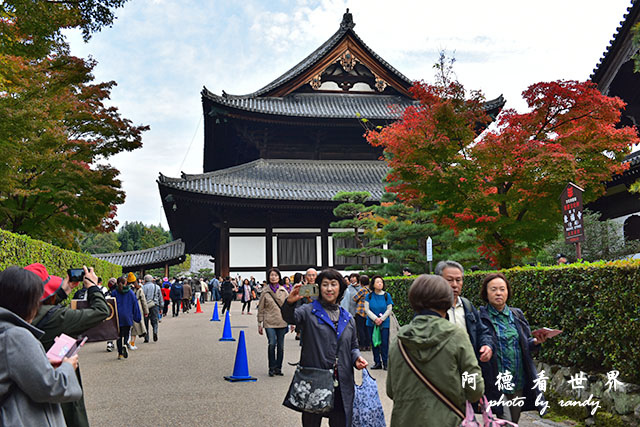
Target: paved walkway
x,y
179,379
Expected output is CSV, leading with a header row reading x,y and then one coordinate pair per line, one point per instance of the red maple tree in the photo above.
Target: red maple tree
x,y
504,182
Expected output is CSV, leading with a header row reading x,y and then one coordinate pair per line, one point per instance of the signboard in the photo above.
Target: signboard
x,y
572,221
429,249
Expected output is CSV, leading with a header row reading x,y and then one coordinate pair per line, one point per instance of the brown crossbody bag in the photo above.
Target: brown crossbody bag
x,y
444,399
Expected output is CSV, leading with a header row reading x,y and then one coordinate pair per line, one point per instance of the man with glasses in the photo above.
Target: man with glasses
x,y
463,314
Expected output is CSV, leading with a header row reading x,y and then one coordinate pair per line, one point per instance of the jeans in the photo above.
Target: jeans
x,y
275,337
165,309
248,305
123,337
226,304
384,346
364,337
153,316
176,307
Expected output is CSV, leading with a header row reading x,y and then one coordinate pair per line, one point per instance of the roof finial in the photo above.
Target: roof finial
x,y
347,21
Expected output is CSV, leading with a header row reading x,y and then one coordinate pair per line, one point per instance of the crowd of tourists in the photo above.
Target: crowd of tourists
x,y
447,340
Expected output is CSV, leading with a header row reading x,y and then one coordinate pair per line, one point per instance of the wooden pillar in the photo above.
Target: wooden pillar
x,y
223,252
269,243
324,239
166,270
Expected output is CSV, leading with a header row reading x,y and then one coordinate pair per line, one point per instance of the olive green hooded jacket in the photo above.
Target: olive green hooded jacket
x,y
442,352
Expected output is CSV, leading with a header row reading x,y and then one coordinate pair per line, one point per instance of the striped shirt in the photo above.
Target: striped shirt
x,y
509,353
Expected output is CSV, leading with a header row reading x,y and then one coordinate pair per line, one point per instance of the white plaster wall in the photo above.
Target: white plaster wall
x,y
247,251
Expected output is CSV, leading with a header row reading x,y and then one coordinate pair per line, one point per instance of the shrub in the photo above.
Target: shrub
x,y
22,250
597,305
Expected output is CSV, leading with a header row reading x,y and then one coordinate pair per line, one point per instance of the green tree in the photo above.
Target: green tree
x,y
134,236
99,243
56,131
405,229
357,216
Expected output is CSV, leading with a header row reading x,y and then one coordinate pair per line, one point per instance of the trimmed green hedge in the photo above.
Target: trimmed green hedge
x,y
597,305
23,250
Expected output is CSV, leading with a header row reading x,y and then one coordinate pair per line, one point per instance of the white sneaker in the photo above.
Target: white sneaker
x,y
133,347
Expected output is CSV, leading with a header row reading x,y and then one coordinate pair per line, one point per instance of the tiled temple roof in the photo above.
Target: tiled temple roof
x,y
170,253
279,179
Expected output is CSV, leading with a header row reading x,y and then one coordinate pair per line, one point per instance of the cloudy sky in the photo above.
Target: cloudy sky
x,y
162,52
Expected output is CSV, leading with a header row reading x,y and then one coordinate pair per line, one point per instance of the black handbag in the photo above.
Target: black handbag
x,y
311,390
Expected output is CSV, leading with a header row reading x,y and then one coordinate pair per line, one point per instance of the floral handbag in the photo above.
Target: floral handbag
x,y
488,419
311,390
367,408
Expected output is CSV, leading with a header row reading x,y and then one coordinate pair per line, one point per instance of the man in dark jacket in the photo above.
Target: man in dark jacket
x,y
55,319
176,296
463,314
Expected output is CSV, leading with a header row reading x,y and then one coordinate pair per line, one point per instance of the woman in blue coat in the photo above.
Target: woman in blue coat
x,y
515,345
128,313
329,335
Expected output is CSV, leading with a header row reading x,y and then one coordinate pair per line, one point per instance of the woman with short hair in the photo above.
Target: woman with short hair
x,y
31,389
441,351
514,349
329,341
378,306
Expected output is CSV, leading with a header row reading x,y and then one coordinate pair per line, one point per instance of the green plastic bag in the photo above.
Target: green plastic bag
x,y
376,338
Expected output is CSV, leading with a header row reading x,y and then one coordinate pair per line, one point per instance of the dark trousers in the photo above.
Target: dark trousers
x,y
186,304
248,305
364,339
176,307
123,337
384,346
226,304
337,417
203,297
275,348
165,309
153,316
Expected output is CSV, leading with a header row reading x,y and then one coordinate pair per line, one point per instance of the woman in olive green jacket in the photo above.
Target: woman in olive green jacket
x,y
441,351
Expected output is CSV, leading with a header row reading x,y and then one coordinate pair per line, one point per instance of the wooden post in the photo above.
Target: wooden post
x,y
224,250
578,250
166,270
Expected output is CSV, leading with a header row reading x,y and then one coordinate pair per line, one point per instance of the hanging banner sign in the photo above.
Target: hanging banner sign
x,y
572,221
429,249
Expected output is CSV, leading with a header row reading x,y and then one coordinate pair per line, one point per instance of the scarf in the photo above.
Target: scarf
x,y
125,289
333,310
274,288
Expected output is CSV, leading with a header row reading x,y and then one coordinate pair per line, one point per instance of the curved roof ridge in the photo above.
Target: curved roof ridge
x,y
622,31
346,26
139,251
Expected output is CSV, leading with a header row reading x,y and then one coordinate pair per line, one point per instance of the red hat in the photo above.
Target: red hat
x,y
51,283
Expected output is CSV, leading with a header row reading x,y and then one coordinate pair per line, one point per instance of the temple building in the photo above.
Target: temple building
x,y
274,159
615,76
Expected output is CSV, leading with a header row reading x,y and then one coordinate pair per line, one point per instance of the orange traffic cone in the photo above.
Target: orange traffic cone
x,y
198,309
